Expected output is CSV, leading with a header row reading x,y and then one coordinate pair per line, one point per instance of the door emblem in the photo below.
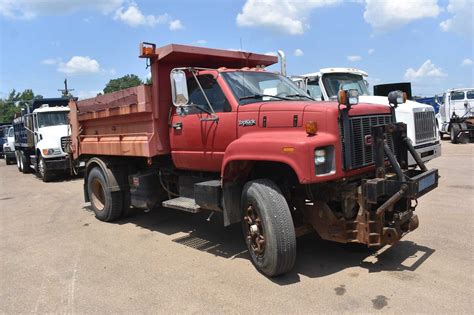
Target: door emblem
x,y
247,122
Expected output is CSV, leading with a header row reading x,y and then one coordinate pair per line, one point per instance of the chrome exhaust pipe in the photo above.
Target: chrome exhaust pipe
x,y
282,56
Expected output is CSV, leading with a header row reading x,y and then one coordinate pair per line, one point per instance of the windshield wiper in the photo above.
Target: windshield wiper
x,y
261,96
300,95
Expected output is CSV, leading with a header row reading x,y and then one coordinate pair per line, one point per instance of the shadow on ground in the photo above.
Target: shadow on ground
x,y
315,257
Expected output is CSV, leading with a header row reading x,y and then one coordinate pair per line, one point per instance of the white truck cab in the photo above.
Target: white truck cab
x,y
419,118
456,114
9,147
51,135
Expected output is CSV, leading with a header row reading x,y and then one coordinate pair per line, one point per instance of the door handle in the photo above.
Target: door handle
x,y
178,126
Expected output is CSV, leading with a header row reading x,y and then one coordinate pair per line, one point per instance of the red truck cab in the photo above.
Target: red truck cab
x,y
249,144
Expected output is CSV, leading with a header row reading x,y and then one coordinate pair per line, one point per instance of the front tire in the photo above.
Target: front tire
x,y
107,205
43,172
454,131
268,228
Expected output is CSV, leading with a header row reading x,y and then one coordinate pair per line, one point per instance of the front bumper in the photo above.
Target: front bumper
x,y
10,155
57,164
426,152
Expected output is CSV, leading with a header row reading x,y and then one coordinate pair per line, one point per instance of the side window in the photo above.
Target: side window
x,y
315,90
456,96
213,92
470,95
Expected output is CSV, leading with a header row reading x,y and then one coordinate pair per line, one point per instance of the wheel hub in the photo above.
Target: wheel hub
x,y
254,231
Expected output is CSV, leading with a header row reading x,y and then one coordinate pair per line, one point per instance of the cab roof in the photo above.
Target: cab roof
x,y
191,56
336,70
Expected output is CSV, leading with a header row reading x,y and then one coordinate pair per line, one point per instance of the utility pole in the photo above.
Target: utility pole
x,y
65,91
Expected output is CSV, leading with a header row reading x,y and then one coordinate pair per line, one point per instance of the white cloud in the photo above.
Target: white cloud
x,y
370,51
79,65
51,61
298,52
467,62
176,25
271,53
461,21
132,16
28,9
286,16
354,58
388,15
201,42
87,94
426,70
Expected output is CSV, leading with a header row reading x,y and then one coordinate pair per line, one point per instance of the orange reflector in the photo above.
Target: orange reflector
x,y
310,127
288,149
147,51
342,97
45,151
405,97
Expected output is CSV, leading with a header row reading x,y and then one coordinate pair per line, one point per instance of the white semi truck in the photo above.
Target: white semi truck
x,y
456,114
419,118
9,147
42,136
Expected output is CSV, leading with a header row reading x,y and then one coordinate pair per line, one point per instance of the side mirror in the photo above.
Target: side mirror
x,y
436,99
179,88
366,83
396,98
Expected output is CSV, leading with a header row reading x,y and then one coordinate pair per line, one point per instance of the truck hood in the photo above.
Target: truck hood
x,y
283,114
408,107
51,136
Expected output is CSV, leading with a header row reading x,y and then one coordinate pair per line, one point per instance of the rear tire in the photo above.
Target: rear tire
x,y
268,228
107,205
25,163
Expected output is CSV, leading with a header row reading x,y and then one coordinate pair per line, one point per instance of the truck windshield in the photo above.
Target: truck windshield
x,y
333,82
250,87
52,119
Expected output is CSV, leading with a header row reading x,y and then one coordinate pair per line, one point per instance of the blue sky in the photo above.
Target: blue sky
x,y
427,42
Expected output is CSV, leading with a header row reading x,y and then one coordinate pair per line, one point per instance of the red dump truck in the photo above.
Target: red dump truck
x,y
217,132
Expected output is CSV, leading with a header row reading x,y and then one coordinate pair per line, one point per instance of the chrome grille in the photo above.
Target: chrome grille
x,y
425,126
362,154
65,141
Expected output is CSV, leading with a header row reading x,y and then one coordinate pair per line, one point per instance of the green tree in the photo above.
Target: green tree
x,y
14,102
121,83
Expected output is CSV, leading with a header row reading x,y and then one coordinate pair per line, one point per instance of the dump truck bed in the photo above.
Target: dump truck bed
x,y
135,121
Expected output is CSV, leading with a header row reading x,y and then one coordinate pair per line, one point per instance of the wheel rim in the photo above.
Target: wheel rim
x,y
254,231
21,161
17,159
98,194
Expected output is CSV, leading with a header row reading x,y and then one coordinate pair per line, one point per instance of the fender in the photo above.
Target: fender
x,y
110,176
293,148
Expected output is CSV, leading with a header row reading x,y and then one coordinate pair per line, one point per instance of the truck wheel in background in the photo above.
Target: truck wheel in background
x,y
18,160
24,163
43,172
268,228
455,128
107,205
8,160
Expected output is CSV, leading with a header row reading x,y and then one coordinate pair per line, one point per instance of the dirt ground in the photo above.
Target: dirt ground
x,y
56,257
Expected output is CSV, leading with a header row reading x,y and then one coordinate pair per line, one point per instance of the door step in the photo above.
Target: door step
x,y
183,204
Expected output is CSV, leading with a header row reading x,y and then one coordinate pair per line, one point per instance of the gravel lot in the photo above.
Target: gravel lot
x,y
56,257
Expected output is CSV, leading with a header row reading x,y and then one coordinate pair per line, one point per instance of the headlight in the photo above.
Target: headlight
x,y
51,151
319,156
324,160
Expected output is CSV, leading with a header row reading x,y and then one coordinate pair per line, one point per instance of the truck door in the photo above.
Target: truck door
x,y
457,103
197,141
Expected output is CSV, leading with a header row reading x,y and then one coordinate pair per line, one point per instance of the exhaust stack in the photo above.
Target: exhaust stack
x,y
281,54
